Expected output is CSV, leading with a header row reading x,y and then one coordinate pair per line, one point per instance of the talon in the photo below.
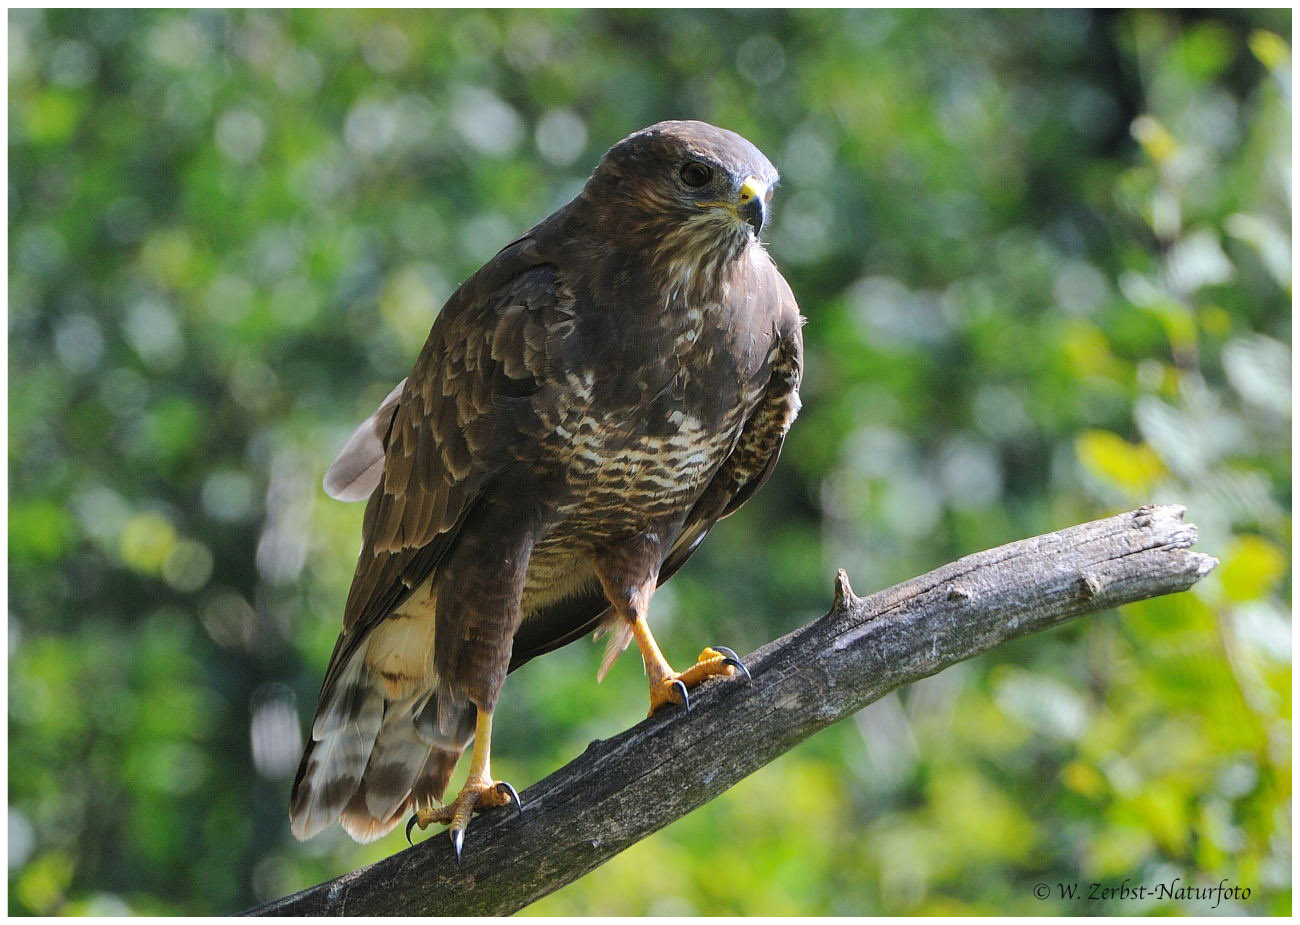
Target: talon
x,y
504,788
480,792
735,663
422,818
686,700
729,657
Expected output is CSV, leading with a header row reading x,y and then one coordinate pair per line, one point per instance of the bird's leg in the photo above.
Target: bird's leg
x,y
629,574
479,793
668,686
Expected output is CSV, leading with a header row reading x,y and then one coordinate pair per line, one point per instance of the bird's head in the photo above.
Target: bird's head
x,y
690,187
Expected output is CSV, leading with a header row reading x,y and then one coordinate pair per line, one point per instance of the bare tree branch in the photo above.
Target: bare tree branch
x,y
622,789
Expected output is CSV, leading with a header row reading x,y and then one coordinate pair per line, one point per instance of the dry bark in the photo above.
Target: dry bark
x,y
622,789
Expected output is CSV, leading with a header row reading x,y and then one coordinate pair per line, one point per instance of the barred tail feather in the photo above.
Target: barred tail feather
x,y
361,821
405,770
332,766
432,782
398,755
375,751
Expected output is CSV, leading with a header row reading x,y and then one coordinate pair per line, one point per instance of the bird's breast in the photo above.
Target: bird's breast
x,y
621,475
615,480
628,452
647,405
638,430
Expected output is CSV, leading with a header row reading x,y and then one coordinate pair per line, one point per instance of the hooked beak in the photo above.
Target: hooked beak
x,y
751,203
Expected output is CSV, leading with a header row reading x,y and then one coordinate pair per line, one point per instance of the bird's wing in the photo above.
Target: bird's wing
x,y
741,474
485,356
478,384
754,457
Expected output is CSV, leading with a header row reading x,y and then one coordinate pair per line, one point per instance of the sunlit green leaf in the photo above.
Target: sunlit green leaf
x,y
1250,567
1109,456
38,528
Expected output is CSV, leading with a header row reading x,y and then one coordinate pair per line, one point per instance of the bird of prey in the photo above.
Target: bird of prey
x,y
588,404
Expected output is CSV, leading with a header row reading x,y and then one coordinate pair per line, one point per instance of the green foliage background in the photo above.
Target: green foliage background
x,y
1046,262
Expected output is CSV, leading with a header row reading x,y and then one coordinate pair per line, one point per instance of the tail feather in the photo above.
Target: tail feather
x,y
353,694
360,825
434,776
399,754
375,749
361,822
335,761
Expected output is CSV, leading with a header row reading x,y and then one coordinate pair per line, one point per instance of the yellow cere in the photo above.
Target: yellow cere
x,y
750,189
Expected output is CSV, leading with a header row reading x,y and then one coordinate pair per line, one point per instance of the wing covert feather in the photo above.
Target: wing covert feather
x,y
485,353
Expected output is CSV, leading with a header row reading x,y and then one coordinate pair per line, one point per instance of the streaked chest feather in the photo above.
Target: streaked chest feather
x,y
616,484
612,467
621,466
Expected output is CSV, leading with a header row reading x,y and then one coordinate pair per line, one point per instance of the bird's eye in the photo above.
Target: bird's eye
x,y
696,174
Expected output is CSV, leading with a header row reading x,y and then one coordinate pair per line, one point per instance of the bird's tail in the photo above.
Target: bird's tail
x,y
377,749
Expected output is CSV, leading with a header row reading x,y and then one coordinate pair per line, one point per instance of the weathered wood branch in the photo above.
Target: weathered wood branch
x,y
622,789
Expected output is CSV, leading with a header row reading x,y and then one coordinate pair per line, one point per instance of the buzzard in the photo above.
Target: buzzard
x,y
587,406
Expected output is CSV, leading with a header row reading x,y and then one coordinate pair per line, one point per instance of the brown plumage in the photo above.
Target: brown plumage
x,y
588,404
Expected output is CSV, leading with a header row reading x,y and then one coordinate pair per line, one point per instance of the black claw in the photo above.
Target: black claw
x,y
736,662
504,788
686,700
731,658
410,825
457,839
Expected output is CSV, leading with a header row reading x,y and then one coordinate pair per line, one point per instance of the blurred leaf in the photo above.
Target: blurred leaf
x,y
1155,139
51,117
42,883
1083,779
147,540
38,529
1208,49
1272,50
1251,566
1135,468
1163,809
1259,368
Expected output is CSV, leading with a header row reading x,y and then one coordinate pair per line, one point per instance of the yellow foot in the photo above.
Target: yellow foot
x,y
474,797
672,688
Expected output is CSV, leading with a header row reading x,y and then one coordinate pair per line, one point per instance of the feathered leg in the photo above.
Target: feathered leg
x,y
478,615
